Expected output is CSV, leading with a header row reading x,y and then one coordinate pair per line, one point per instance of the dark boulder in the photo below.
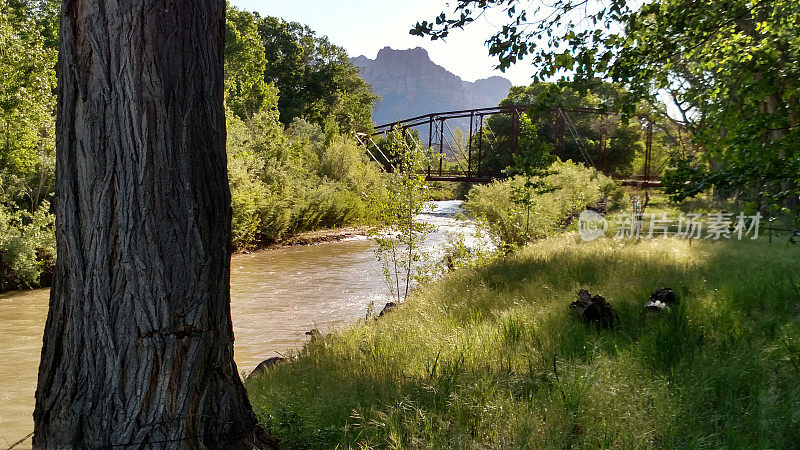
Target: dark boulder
x,y
661,299
266,365
314,333
593,309
601,207
388,308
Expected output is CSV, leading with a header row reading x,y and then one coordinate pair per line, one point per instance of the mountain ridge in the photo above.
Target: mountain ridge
x,y
411,84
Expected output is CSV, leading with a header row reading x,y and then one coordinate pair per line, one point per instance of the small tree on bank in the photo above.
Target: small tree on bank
x,y
531,164
399,236
138,344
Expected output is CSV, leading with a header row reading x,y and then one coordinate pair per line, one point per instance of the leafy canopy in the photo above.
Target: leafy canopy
x,y
315,77
730,67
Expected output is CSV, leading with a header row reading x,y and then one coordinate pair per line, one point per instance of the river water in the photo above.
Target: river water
x,y
276,296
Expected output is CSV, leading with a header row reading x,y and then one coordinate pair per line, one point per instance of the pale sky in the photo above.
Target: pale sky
x,y
365,26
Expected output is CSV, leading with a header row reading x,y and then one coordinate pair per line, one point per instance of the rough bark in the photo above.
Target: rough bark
x,y
138,345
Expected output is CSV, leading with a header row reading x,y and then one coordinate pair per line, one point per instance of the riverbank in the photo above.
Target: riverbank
x,y
315,237
338,234
305,238
492,357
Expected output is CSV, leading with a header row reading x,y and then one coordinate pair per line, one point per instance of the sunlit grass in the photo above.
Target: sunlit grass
x,y
491,357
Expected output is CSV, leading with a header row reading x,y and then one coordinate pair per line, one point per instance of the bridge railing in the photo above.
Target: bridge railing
x,y
465,160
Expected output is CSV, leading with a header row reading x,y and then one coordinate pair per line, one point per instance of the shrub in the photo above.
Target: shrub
x,y
27,247
575,188
300,179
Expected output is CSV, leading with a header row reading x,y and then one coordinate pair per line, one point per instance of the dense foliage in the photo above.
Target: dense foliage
x,y
27,149
284,179
576,121
247,93
730,68
573,188
303,176
315,78
301,179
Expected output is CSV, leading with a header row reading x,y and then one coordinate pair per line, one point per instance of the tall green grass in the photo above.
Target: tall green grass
x,y
491,357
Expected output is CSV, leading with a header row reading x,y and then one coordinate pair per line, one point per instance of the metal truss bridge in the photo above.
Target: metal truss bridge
x,y
461,156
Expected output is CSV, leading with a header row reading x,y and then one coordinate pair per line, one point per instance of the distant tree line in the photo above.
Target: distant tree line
x,y
312,78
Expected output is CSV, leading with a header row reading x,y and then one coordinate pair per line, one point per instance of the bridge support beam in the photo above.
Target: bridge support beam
x,y
441,145
558,133
469,145
480,142
648,146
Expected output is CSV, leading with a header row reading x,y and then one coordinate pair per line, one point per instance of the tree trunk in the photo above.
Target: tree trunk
x,y
771,106
138,345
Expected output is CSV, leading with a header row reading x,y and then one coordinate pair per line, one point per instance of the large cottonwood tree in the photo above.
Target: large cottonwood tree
x,y
138,346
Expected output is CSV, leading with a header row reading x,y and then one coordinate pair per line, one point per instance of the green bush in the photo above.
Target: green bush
x,y
27,247
294,180
575,188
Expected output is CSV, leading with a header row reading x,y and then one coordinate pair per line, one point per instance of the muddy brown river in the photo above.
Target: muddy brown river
x,y
276,296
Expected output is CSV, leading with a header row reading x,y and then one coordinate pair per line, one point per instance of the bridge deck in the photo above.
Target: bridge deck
x,y
488,179
460,178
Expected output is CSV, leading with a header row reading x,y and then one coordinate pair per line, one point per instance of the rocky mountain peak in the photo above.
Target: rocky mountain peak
x,y
417,53
410,84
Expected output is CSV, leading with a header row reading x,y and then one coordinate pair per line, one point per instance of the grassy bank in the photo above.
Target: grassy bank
x,y
491,357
